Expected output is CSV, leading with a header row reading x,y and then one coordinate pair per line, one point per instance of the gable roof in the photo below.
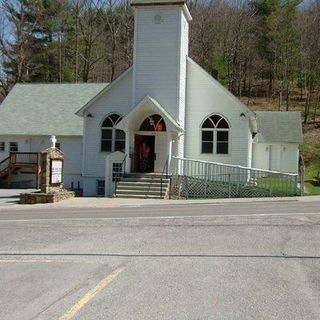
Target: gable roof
x,y
80,112
279,126
222,88
142,109
45,109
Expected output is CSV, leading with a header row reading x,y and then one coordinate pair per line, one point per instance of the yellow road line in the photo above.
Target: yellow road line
x,y
91,294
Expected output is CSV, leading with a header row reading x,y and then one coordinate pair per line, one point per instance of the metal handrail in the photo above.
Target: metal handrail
x,y
165,168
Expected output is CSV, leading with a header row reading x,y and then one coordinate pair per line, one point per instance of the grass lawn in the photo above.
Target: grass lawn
x,y
311,172
278,185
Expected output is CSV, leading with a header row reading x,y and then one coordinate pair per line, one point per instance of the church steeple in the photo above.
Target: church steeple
x,y
160,49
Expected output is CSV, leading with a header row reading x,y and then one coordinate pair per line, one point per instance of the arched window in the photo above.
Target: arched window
x,y
112,139
215,135
153,123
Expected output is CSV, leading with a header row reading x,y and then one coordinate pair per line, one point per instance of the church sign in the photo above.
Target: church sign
x,y
56,171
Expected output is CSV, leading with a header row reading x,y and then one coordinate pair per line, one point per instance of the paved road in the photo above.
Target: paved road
x,y
202,261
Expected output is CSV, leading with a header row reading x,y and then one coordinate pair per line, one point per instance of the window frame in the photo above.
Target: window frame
x,y
153,126
11,144
114,131
2,146
215,131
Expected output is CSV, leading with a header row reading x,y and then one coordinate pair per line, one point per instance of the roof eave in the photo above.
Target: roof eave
x,y
81,111
249,112
124,123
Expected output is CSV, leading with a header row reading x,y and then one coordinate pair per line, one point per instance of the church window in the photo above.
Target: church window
x,y
153,123
112,139
215,132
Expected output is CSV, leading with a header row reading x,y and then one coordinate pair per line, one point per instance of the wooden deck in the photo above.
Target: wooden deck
x,y
17,161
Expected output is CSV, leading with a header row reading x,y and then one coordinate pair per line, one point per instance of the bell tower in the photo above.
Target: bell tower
x,y
161,33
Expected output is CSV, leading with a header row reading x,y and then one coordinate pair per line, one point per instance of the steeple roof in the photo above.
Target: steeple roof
x,y
157,2
152,3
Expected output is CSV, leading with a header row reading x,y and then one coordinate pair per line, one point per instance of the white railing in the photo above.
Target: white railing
x,y
204,178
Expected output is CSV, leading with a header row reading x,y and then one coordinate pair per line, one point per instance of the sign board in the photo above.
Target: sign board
x,y
56,171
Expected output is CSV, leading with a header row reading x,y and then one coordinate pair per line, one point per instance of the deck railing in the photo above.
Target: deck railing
x,y
24,157
17,159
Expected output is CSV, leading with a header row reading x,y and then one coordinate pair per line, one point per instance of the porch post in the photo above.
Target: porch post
x,y
127,151
169,151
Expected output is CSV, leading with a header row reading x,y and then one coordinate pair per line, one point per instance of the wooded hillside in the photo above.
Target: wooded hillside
x,y
262,48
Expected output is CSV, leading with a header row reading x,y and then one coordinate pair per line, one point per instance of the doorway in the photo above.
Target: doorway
x,y
144,155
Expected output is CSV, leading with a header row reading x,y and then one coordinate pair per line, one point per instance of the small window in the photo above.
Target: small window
x,y
215,135
116,171
2,146
100,188
58,145
13,147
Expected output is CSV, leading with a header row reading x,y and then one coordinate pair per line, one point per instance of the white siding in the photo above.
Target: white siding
x,y
260,156
184,46
23,145
205,97
275,157
70,146
90,186
289,158
278,157
72,150
117,99
159,57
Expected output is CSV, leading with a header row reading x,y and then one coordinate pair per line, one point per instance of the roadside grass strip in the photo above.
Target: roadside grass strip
x,y
91,294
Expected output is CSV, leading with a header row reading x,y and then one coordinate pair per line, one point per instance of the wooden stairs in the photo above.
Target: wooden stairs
x,y
16,161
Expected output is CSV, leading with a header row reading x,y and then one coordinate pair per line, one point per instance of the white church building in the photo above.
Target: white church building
x,y
167,106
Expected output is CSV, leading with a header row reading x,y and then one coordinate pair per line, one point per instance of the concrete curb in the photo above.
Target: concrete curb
x,y
95,203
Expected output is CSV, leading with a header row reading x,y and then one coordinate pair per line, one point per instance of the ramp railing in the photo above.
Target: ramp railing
x,y
202,179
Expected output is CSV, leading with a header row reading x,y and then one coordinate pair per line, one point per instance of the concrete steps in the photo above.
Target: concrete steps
x,y
143,186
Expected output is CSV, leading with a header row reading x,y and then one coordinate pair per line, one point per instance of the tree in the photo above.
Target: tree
x,y
265,10
17,49
309,23
285,46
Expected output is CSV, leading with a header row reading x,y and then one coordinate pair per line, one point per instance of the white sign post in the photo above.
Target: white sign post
x,y
56,171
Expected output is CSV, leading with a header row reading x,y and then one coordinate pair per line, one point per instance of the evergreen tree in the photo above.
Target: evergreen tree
x,y
265,10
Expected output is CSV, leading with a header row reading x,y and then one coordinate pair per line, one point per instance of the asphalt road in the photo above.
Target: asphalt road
x,y
201,261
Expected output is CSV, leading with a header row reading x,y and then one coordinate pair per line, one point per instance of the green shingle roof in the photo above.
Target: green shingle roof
x,y
46,109
279,126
